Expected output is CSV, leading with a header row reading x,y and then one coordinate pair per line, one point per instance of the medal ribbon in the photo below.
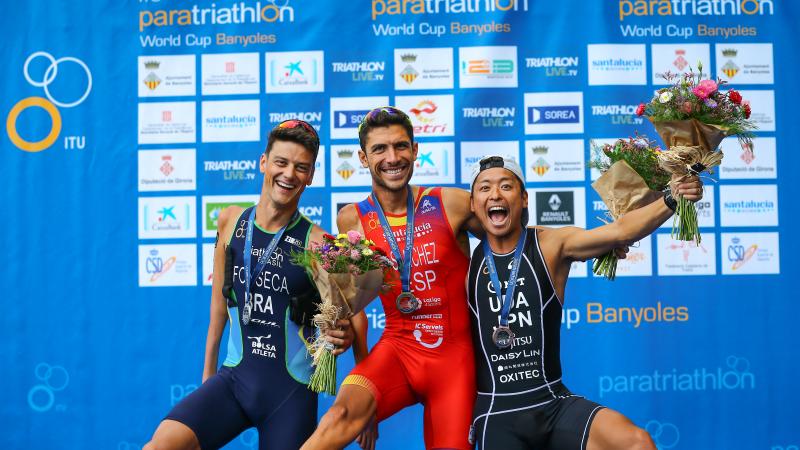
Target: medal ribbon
x,y
403,261
508,299
262,260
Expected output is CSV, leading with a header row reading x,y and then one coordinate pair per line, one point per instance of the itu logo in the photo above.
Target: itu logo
x,y
665,435
52,379
50,105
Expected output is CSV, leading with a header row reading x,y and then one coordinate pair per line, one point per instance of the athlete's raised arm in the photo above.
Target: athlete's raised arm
x,y
580,245
456,205
219,304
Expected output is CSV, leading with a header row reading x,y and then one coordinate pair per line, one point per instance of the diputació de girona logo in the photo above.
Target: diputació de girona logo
x,y
42,397
50,105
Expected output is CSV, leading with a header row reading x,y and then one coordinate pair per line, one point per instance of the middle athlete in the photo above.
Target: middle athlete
x,y
425,354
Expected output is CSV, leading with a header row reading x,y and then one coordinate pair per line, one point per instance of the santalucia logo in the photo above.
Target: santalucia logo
x,y
50,105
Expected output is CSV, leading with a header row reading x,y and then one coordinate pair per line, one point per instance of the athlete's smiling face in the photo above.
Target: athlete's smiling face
x,y
390,157
287,169
497,201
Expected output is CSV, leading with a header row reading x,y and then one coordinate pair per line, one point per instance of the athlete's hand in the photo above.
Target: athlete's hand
x,y
690,188
366,440
342,337
621,252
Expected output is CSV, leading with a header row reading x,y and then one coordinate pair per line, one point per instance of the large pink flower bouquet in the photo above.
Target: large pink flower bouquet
x,y
692,116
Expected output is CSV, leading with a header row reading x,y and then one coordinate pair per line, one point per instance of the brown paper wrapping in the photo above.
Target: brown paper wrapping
x,y
623,190
690,133
348,292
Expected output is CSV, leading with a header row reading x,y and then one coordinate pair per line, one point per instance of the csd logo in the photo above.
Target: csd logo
x,y
50,105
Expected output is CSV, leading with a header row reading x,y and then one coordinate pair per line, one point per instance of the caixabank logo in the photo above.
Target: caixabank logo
x,y
66,76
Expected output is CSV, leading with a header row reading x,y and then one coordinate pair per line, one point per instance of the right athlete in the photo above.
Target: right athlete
x,y
516,284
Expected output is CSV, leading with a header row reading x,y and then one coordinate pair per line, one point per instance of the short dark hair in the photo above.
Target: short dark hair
x,y
383,116
296,131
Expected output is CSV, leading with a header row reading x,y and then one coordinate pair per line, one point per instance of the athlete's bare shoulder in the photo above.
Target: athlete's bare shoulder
x,y
226,222
347,219
457,207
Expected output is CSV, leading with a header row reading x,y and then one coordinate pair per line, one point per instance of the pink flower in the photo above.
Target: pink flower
x,y
353,236
704,89
640,109
687,107
355,255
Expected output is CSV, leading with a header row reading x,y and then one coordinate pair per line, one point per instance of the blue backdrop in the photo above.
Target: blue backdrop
x,y
130,125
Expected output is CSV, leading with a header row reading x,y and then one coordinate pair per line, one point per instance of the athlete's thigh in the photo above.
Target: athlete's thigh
x,y
212,413
611,430
572,420
292,423
448,403
379,381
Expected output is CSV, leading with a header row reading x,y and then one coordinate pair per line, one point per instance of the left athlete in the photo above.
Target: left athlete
x,y
263,381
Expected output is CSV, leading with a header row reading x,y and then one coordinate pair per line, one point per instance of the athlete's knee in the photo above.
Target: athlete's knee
x,y
167,439
338,414
344,417
156,445
641,440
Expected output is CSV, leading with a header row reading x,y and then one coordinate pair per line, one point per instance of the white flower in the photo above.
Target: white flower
x,y
665,97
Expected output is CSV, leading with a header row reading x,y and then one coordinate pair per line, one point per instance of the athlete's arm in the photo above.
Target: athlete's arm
x,y
580,244
347,220
219,305
456,206
360,326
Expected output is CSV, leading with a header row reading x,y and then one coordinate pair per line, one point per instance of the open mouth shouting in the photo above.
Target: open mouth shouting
x,y
498,215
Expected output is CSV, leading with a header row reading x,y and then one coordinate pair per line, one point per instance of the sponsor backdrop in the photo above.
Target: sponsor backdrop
x,y
129,126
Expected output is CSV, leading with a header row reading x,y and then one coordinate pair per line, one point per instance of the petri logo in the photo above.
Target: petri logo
x,y
41,397
49,104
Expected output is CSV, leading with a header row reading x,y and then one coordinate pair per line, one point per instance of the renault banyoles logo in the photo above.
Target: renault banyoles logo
x,y
49,104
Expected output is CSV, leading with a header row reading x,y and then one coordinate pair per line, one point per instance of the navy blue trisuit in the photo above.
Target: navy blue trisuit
x,y
263,381
522,403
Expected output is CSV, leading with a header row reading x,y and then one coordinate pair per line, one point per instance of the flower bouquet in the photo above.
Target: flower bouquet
x,y
349,272
631,178
692,116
